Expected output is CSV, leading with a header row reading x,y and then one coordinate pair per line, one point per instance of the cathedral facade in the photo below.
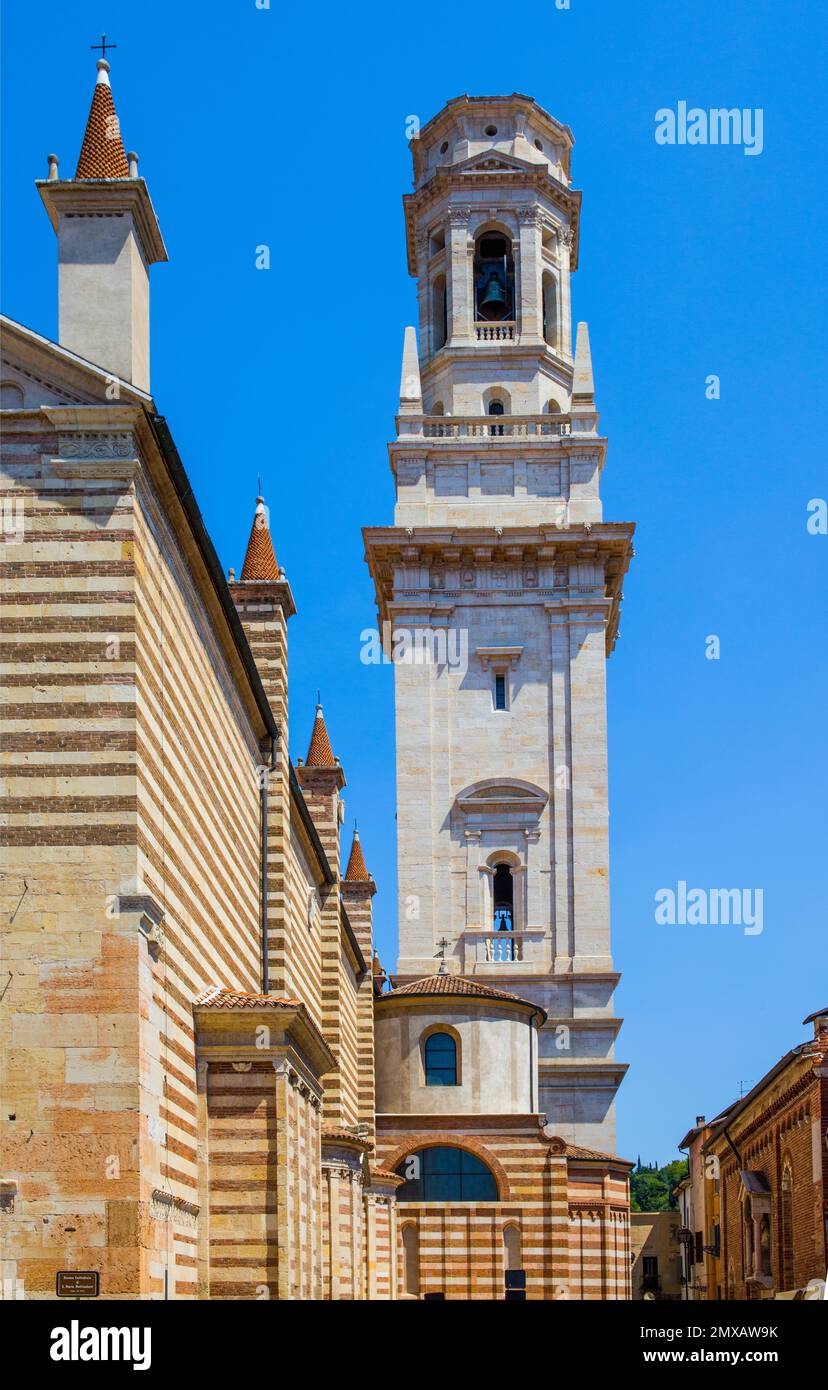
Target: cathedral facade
x,y
209,1089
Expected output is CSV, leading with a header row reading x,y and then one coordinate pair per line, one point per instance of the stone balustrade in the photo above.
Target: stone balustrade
x,y
504,332
496,426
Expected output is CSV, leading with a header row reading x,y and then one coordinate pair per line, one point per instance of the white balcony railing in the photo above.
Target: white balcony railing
x,y
496,426
497,947
495,332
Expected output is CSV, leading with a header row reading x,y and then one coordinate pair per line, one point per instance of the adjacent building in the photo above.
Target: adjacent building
x,y
656,1255
755,1207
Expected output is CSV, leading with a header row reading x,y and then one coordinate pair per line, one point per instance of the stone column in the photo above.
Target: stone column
x,y
203,1159
534,911
530,317
460,302
565,244
283,1156
335,1258
371,1244
357,1274
562,929
473,915
589,792
392,1248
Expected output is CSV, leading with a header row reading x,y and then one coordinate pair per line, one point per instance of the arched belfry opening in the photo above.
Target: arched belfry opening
x,y
503,894
494,278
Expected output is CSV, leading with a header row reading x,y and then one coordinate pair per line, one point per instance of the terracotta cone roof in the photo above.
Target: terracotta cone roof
x,y
320,753
102,153
356,871
260,560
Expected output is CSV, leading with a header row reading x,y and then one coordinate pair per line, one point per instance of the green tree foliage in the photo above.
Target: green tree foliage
x,y
653,1188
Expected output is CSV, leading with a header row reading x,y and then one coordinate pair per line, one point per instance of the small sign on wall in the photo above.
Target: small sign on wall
x,y
77,1283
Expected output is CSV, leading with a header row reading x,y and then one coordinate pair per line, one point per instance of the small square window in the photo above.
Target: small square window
x,y
500,692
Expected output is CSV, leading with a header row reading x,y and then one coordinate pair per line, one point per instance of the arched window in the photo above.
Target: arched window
x,y
440,1057
411,1258
786,1223
446,1175
504,898
503,916
550,310
764,1245
496,408
512,1252
439,312
11,396
494,278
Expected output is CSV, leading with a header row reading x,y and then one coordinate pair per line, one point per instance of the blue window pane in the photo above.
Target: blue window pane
x,y
440,1060
448,1175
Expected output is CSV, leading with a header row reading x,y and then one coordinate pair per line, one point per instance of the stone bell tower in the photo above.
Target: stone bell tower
x,y
499,590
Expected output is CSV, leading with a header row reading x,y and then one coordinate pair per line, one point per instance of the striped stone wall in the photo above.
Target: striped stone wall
x,y
463,1249
599,1233
357,898
343,1200
124,741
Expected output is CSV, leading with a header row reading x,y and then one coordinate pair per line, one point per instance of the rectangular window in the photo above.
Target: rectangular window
x,y
500,692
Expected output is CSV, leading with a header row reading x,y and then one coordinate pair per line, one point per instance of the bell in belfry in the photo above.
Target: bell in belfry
x,y
493,299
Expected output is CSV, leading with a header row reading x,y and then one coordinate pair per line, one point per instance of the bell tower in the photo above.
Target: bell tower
x,y
499,592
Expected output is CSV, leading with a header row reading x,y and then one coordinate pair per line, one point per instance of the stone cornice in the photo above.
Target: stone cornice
x,y
448,179
106,197
60,370
516,552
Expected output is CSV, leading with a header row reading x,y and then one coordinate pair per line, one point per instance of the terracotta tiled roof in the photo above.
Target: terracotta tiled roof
x,y
334,1133
356,871
454,985
575,1151
102,153
260,560
320,753
385,1174
213,998
818,1013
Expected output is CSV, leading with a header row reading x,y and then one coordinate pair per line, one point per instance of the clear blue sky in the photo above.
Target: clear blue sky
x,y
288,127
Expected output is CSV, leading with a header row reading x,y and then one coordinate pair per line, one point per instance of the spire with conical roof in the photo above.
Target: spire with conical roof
x,y
356,871
320,753
102,153
260,560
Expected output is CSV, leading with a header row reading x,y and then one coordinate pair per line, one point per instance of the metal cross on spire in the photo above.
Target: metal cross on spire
x,y
442,947
103,45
